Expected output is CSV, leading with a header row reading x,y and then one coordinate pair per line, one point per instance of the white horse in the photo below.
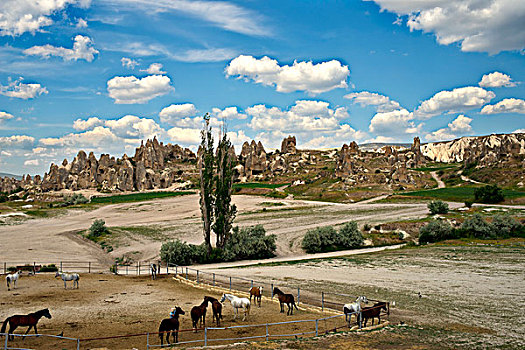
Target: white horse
x,y
68,277
12,278
354,307
238,303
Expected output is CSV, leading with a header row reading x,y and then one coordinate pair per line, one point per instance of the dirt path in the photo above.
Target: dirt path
x,y
435,176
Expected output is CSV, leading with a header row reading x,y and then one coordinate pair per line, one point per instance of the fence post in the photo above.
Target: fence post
x,y
322,301
6,337
298,295
138,268
205,336
267,334
5,268
214,279
272,291
252,284
360,319
147,341
89,267
316,328
61,267
78,344
127,269
230,283
197,276
186,273
34,267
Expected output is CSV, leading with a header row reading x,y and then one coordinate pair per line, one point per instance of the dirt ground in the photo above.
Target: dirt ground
x,y
108,305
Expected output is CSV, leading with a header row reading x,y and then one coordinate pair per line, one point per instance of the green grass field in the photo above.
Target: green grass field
x,y
456,194
136,197
256,185
437,167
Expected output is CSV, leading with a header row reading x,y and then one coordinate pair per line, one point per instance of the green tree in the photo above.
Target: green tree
x,y
349,236
225,212
97,229
249,243
489,194
206,174
177,253
435,231
437,207
477,227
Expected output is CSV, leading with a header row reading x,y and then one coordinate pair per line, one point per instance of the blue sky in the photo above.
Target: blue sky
x,y
102,75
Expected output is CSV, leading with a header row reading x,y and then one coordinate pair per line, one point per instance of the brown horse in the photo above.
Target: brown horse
x,y
287,299
24,320
374,311
256,292
216,306
199,313
170,325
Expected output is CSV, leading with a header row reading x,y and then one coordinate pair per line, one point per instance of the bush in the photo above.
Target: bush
x,y
97,229
505,226
177,252
3,198
74,199
249,243
327,239
477,227
489,194
435,231
468,204
437,207
49,268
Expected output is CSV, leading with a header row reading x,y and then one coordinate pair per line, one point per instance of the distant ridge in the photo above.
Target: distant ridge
x,y
18,177
373,146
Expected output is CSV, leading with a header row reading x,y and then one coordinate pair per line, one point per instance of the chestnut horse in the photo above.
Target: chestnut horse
x,y
216,306
170,325
256,292
30,320
287,299
374,311
199,313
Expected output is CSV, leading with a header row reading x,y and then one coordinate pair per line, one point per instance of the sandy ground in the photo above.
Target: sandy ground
x,y
55,239
108,305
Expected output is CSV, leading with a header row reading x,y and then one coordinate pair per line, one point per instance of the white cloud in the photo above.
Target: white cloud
x,y
154,68
228,113
301,76
457,100
222,14
185,135
20,16
130,89
129,63
496,79
397,123
90,123
519,131
82,50
5,116
33,162
477,25
175,112
96,138
204,55
508,105
20,90
17,141
458,127
81,23
366,98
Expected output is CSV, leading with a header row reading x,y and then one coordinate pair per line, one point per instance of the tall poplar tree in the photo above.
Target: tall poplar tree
x,y
206,173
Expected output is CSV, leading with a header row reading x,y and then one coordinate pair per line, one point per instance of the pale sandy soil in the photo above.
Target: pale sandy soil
x,y
54,239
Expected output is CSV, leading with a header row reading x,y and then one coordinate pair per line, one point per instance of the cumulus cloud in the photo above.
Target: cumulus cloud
x,y
20,16
228,113
130,89
154,68
185,135
397,123
457,100
129,63
18,89
301,76
508,105
90,123
97,137
33,162
5,116
175,112
458,127
17,141
476,25
82,50
366,98
496,79
81,23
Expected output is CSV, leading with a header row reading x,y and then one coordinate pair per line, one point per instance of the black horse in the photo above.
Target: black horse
x,y
198,313
170,325
287,299
216,306
374,311
24,320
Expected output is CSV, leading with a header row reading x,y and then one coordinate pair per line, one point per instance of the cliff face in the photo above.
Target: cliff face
x,y
154,165
485,150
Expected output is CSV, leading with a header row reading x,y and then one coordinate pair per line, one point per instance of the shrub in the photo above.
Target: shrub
x,y
327,239
505,226
98,228
468,204
437,207
489,194
349,236
177,252
74,199
49,268
367,227
3,198
435,231
477,227
249,243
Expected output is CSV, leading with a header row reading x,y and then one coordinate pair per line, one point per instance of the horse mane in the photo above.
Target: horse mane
x,y
277,291
210,299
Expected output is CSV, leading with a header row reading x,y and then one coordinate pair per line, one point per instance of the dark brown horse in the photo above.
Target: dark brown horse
x,y
287,299
199,313
170,325
216,306
24,320
256,292
374,311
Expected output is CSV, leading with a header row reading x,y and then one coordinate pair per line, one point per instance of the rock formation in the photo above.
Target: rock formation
x,y
289,145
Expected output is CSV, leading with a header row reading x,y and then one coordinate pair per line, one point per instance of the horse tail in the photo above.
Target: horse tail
x,y
4,325
293,303
248,309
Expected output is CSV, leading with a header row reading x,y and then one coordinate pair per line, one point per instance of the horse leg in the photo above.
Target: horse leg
x,y
282,307
65,286
12,329
176,336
